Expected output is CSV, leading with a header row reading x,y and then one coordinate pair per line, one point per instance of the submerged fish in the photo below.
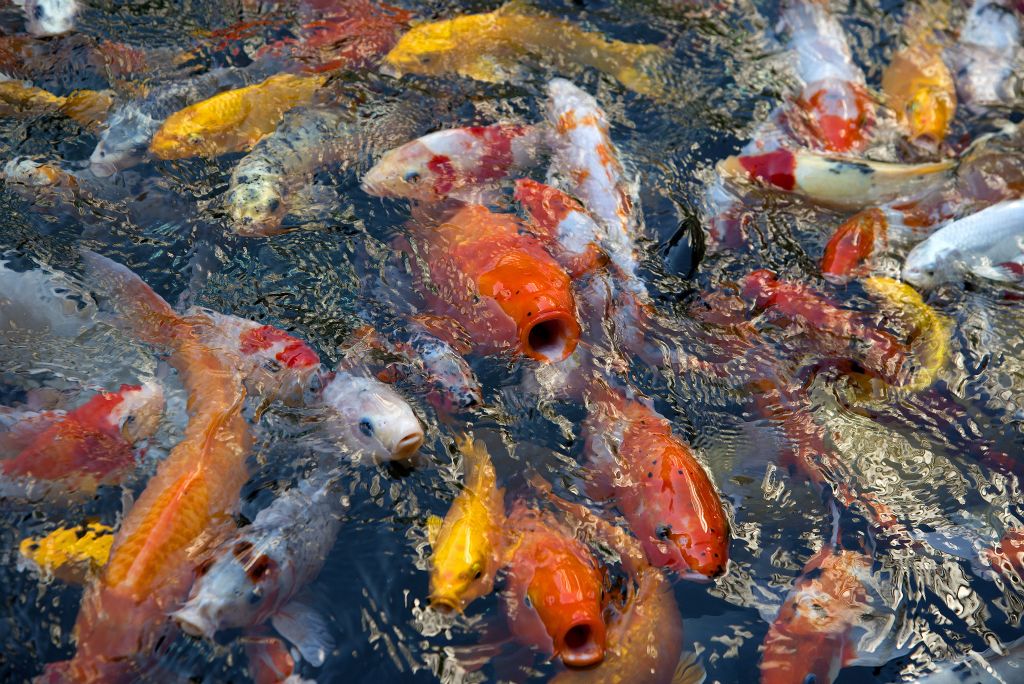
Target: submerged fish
x,y
853,243
87,107
90,445
466,546
663,491
987,58
256,573
69,553
835,107
813,636
123,616
488,47
988,244
234,120
500,283
555,594
49,17
449,162
833,181
919,88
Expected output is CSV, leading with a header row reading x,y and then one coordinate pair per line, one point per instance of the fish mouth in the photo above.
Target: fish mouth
x,y
408,445
194,621
445,604
550,336
102,169
582,645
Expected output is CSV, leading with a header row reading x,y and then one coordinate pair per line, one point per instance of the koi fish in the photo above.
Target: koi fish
x,y
501,284
644,635
588,162
813,635
467,545
232,121
92,444
255,574
664,493
835,182
123,615
929,341
1008,556
988,244
836,108
853,243
555,589
69,553
987,57
449,162
572,236
131,126
488,47
920,89
49,17
87,107
836,331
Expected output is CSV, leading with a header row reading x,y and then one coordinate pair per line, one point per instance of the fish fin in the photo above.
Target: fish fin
x,y
689,669
434,523
492,69
476,462
140,309
643,69
1007,271
305,627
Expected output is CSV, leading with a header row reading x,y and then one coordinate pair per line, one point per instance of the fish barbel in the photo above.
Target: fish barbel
x,y
488,47
467,545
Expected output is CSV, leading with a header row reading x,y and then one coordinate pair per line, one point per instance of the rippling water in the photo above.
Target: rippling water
x,y
336,272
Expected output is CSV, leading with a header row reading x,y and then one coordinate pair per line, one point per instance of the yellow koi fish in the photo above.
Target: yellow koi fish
x,y
69,553
930,337
488,47
467,543
232,121
87,107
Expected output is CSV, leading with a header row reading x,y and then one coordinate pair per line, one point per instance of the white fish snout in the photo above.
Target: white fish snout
x,y
198,619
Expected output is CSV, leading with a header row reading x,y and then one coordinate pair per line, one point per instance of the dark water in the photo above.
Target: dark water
x,y
331,275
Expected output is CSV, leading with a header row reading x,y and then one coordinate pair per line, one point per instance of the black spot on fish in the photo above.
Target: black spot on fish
x,y
366,427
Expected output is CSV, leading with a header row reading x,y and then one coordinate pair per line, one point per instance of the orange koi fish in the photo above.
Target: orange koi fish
x,y
124,615
663,491
812,637
853,243
500,284
92,444
920,89
571,235
554,599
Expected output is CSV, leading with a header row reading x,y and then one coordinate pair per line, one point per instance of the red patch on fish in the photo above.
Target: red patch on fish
x,y
776,168
853,243
296,353
497,157
444,174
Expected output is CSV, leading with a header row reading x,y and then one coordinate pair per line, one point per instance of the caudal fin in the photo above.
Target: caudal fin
x,y
140,310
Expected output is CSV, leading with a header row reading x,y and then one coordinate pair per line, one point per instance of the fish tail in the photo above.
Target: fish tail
x,y
141,310
476,461
644,69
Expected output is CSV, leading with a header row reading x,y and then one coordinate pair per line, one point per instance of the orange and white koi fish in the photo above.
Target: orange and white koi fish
x,y
554,599
87,446
834,101
500,284
124,615
813,636
451,162
663,491
572,236
834,181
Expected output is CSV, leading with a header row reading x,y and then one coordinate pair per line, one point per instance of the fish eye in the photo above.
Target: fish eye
x,y
195,139
38,12
412,177
366,427
810,679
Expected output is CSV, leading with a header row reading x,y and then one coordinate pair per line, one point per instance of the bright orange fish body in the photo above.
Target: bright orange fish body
x,y
668,499
500,284
812,637
124,615
554,599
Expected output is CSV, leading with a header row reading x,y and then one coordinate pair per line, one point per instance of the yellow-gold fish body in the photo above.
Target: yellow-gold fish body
x,y
232,121
489,47
87,107
920,89
69,553
467,544
930,331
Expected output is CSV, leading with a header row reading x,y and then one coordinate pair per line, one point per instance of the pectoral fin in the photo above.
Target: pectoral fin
x,y
304,627
491,69
434,523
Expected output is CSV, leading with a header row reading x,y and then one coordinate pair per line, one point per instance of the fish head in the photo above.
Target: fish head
x,y
138,415
411,171
375,419
455,385
236,586
926,264
424,48
807,640
50,17
462,562
123,143
255,206
279,365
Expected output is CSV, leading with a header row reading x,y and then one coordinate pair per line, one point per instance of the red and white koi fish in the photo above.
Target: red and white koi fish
x,y
833,181
813,636
588,165
663,491
87,446
836,108
451,162
123,616
987,58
